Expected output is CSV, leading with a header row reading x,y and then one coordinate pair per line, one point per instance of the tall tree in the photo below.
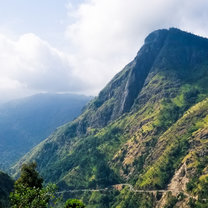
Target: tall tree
x,y
29,191
29,176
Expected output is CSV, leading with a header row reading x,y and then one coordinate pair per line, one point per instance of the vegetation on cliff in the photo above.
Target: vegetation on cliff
x,y
148,122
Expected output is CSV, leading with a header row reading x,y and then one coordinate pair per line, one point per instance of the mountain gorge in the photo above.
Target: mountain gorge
x,y
26,122
147,128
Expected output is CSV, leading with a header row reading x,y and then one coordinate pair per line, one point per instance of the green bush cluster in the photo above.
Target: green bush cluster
x,y
29,191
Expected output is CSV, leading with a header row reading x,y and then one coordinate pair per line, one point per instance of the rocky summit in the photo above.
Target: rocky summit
x,y
143,141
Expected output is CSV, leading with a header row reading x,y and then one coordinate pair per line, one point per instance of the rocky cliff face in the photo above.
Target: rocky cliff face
x,y
148,122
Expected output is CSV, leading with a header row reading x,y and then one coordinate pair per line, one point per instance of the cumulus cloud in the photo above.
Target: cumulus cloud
x,y
103,36
30,65
106,34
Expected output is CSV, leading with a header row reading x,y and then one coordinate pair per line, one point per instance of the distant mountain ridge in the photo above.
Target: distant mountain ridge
x,y
26,122
147,127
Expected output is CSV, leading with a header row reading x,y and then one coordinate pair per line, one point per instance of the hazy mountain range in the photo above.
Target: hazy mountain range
x,y
26,122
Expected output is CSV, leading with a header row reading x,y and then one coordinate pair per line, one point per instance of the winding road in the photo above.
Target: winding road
x,y
131,188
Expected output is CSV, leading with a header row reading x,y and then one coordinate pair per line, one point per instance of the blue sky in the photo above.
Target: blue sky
x,y
77,46
46,18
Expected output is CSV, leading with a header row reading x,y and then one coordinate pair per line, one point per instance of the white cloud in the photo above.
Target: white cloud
x,y
106,34
30,65
103,36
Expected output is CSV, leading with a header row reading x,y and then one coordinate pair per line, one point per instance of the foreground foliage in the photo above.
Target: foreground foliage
x,y
74,203
29,191
6,186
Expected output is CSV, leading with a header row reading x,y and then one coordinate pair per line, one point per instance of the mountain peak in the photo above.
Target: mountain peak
x,y
156,35
173,34
159,34
164,49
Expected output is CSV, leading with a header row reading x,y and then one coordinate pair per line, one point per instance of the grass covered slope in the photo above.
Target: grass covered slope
x,y
143,127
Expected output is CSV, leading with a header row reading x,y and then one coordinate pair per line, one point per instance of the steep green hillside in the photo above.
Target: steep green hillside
x,y
147,128
26,122
6,185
